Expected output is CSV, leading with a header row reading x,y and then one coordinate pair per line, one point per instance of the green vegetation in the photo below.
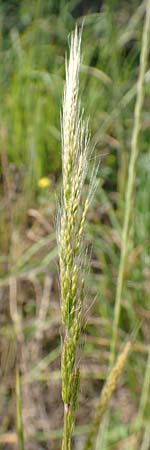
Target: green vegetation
x,y
33,47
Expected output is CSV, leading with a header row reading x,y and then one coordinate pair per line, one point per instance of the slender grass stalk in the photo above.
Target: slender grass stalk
x,y
145,392
106,394
131,178
75,157
146,441
19,412
139,423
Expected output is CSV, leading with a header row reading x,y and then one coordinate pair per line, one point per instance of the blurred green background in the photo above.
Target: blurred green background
x,y
33,45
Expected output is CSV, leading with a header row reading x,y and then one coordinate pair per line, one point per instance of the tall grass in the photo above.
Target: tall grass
x,y
31,83
131,178
75,158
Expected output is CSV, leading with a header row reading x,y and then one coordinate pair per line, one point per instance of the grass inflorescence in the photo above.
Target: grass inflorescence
x,y
75,159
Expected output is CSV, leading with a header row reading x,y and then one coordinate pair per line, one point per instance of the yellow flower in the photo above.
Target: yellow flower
x,y
44,182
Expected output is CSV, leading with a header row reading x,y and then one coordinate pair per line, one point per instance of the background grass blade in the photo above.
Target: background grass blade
x,y
19,412
131,178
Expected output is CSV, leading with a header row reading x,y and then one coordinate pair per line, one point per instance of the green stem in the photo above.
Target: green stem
x,y
145,391
19,412
131,179
66,442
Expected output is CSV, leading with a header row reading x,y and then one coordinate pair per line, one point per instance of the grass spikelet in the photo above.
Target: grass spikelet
x,y
106,394
75,157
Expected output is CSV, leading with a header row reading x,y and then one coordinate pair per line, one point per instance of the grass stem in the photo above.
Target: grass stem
x,y
131,179
19,412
